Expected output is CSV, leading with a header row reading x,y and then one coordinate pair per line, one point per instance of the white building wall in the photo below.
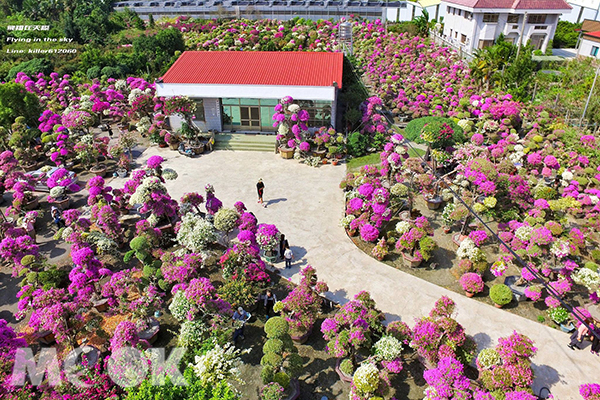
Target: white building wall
x,y
591,10
406,14
212,117
585,48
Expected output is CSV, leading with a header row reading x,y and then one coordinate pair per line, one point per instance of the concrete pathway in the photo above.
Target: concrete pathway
x,y
306,204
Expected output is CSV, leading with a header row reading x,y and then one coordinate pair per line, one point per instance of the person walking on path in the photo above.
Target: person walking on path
x,y
269,300
56,217
579,335
240,317
260,188
283,244
289,256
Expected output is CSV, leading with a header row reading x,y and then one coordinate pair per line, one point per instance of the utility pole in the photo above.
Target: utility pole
x,y
587,103
521,35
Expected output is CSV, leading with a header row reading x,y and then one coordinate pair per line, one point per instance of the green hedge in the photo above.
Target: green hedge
x,y
414,127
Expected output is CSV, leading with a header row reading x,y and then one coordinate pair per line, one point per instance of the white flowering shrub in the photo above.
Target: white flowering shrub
x,y
145,189
351,195
192,334
169,174
345,222
523,233
399,190
143,125
366,378
180,306
468,249
588,278
225,219
218,364
388,348
487,358
195,233
402,227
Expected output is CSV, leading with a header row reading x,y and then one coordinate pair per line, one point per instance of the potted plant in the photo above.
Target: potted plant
x,y
302,305
287,150
172,140
380,250
322,137
559,315
471,283
59,198
415,242
501,295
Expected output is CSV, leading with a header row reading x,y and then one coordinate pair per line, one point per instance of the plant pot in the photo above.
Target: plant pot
x,y
101,305
406,216
433,203
411,261
286,152
457,239
469,294
98,170
121,172
325,161
447,229
498,305
334,162
46,337
351,233
31,204
174,146
567,328
198,149
343,376
303,338
29,167
62,204
151,333
162,145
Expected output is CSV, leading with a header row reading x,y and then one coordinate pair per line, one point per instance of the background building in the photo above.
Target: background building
x,y
589,41
238,90
475,24
582,9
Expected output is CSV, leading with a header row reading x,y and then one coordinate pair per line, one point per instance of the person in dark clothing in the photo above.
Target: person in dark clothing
x,y
283,244
269,300
260,188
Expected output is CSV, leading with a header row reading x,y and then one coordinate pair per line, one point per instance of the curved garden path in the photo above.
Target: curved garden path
x,y
306,205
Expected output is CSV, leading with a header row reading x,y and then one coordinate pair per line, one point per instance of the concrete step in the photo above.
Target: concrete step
x,y
245,142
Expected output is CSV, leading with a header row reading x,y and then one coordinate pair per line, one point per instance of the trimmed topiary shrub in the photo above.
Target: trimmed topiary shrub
x,y
415,128
280,361
501,294
358,144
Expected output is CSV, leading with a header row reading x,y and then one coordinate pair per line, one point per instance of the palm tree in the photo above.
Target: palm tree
x,y
422,23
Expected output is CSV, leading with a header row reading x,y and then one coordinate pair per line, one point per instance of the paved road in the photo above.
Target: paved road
x,y
306,204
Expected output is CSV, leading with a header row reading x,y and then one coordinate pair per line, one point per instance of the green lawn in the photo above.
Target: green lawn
x,y
373,159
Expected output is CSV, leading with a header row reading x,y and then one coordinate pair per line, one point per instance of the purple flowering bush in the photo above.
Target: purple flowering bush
x,y
471,282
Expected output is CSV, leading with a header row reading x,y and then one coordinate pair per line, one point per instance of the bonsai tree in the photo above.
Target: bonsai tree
x,y
415,239
353,328
225,220
280,361
501,294
22,141
302,305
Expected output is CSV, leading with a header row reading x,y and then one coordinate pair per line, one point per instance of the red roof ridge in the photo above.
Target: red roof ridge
x,y
274,68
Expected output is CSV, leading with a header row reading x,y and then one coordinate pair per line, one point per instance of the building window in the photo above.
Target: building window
x,y
594,52
463,38
459,13
448,8
513,19
485,43
199,114
540,27
468,15
456,35
491,18
537,19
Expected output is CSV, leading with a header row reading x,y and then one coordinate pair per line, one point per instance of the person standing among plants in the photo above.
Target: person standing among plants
x,y
269,299
260,188
289,256
579,335
240,317
283,244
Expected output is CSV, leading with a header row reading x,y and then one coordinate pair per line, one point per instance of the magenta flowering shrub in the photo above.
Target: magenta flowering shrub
x,y
107,220
179,270
267,237
117,289
97,191
126,335
212,203
14,248
513,372
248,222
478,237
447,380
439,335
352,327
243,260
85,274
302,305
471,282
192,199
369,233
590,391
154,162
205,304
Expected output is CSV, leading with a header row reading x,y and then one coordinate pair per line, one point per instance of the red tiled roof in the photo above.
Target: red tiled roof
x,y
514,4
595,34
257,68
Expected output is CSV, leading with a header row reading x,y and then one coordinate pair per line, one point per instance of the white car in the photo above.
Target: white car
x,y
41,177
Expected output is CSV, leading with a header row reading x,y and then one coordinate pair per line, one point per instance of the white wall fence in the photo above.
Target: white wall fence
x,y
453,44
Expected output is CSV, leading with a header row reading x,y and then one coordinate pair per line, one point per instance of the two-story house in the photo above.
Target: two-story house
x,y
589,42
475,24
